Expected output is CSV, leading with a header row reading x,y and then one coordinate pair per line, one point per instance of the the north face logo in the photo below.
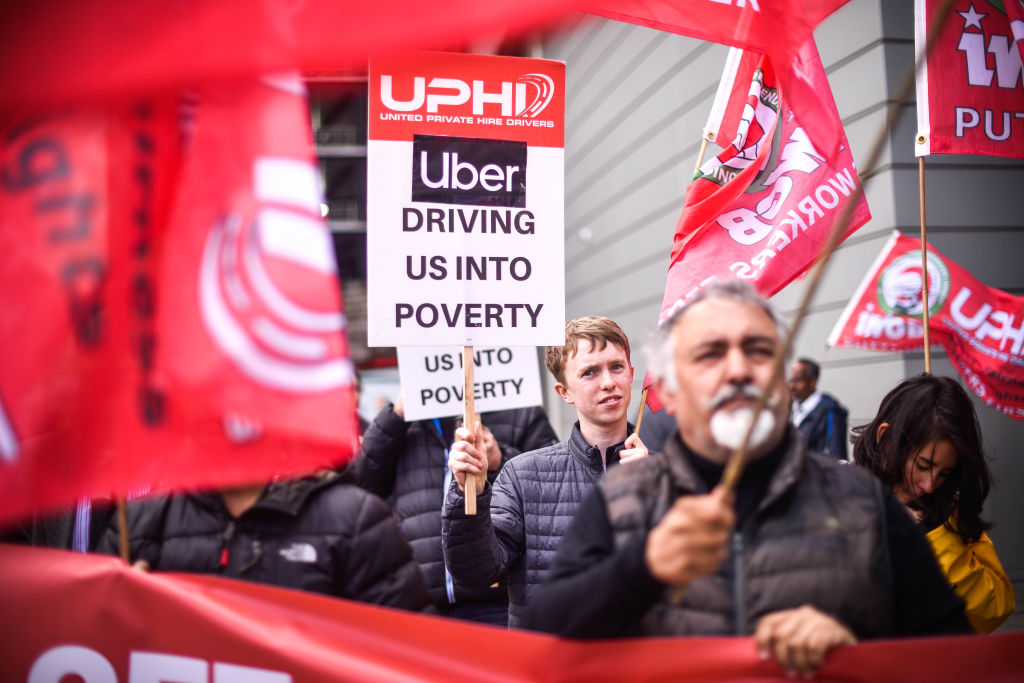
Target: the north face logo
x,y
299,552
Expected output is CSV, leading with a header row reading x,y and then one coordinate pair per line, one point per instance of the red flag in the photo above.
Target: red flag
x,y
970,93
114,377
56,50
95,617
764,208
981,328
779,31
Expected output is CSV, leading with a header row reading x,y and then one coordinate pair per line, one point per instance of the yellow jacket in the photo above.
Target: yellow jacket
x,y
977,577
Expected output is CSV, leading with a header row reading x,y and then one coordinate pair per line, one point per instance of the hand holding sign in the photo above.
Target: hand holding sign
x,y
465,458
634,449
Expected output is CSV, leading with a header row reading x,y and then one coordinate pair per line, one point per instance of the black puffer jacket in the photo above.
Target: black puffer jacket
x,y
405,461
521,518
318,534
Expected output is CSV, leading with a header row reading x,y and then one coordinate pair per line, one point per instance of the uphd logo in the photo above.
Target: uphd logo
x,y
453,170
527,97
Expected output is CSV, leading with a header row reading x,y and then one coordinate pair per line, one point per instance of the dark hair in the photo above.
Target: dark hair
x,y
813,369
921,410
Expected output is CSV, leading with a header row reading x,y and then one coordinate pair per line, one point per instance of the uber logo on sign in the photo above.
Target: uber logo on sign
x,y
454,170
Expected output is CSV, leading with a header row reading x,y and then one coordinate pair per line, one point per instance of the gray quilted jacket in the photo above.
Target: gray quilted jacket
x,y
520,518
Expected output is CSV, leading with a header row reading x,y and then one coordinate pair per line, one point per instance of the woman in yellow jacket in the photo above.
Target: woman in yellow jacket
x,y
926,445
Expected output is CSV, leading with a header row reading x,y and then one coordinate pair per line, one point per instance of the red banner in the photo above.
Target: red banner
x,y
94,617
981,328
158,330
970,93
59,50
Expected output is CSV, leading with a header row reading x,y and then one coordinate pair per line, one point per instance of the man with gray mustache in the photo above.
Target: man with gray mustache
x,y
807,555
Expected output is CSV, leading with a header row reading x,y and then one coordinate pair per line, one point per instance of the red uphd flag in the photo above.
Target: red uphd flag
x,y
172,318
970,93
981,328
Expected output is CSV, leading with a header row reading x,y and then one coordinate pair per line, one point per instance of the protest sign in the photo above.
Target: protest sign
x,y
465,201
504,377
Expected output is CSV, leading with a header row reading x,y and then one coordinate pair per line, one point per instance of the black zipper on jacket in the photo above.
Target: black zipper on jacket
x,y
738,580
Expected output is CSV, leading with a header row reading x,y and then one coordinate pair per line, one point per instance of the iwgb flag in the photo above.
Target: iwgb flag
x,y
981,328
970,93
763,209
171,317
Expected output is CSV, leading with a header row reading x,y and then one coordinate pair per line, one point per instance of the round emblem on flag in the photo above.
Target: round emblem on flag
x,y
899,287
269,294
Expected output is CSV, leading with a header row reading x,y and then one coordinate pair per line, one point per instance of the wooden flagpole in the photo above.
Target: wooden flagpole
x,y
469,421
640,414
924,271
122,526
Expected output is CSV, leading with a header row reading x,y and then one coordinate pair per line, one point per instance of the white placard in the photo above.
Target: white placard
x,y
431,376
465,201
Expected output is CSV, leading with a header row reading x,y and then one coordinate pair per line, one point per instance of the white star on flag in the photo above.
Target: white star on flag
x,y
972,18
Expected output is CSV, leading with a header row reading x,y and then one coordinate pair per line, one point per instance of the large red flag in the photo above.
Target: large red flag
x,y
764,208
147,273
970,93
981,328
56,50
779,29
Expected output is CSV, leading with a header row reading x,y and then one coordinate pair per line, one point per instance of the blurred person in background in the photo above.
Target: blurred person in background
x,y
818,416
319,533
926,445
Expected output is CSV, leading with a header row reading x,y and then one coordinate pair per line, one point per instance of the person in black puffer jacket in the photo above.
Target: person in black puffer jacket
x,y
320,533
405,463
522,515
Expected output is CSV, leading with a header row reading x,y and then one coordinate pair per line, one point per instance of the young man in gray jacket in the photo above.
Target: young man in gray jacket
x,y
521,516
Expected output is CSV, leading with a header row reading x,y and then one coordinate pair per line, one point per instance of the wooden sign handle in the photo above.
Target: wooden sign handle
x,y
468,421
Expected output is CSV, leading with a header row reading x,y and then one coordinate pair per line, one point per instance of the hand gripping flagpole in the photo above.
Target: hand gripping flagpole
x,y
469,421
738,460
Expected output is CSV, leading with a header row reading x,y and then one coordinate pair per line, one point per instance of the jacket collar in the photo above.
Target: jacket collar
x,y
685,477
284,497
591,455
